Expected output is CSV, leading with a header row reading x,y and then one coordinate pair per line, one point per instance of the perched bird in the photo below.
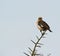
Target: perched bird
x,y
42,25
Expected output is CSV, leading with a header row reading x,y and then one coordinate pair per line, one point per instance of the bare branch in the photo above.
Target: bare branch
x,y
33,52
36,44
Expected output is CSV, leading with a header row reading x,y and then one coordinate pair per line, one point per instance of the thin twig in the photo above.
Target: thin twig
x,y
33,52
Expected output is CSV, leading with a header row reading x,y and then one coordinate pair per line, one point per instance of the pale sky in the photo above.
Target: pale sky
x,y
17,26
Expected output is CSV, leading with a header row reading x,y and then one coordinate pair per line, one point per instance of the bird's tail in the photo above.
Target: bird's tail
x,y
50,30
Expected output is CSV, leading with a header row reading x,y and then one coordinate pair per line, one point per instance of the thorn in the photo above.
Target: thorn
x,y
33,41
30,49
36,54
37,37
40,43
38,46
26,54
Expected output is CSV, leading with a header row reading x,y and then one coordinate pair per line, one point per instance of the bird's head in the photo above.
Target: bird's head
x,y
40,18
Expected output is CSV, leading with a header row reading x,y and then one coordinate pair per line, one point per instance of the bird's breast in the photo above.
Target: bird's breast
x,y
38,26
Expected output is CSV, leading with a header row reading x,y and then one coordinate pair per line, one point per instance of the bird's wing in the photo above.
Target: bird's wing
x,y
43,24
39,23
46,25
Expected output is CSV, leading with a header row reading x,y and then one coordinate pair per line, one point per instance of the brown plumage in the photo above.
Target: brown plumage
x,y
42,25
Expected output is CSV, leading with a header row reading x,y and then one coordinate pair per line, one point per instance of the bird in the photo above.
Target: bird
x,y
42,25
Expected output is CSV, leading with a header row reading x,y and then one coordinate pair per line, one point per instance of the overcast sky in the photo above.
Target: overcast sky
x,y
17,26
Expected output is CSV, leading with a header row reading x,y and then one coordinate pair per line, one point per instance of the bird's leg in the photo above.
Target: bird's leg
x,y
41,31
